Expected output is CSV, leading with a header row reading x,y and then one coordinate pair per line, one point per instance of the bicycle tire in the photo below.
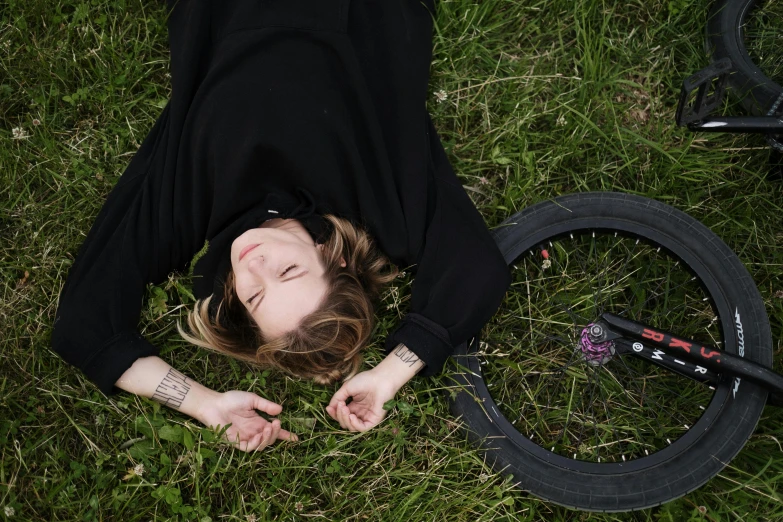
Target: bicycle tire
x,y
726,39
705,447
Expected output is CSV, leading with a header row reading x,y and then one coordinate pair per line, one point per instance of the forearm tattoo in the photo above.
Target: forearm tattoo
x,y
406,356
172,389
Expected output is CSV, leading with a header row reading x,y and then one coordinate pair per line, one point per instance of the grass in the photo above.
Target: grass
x,y
573,408
537,99
766,37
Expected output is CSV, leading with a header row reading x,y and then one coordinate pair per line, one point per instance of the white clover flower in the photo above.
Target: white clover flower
x,y
19,133
441,96
250,518
138,470
9,511
561,121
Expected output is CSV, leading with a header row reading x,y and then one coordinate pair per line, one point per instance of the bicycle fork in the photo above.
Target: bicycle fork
x,y
689,358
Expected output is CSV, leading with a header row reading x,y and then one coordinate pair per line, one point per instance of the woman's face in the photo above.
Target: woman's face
x,y
279,275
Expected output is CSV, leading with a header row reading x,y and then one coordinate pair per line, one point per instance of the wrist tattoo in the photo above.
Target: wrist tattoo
x,y
172,389
406,356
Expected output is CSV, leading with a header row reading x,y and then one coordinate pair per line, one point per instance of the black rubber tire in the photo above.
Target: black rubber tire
x,y
728,421
726,39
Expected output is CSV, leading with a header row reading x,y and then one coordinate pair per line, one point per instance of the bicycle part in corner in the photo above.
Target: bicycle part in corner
x,y
576,415
704,91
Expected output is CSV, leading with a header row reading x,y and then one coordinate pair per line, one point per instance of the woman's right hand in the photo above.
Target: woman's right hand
x,y
248,431
154,378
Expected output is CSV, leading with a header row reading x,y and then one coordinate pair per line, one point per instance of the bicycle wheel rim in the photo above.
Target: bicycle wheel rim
x,y
693,432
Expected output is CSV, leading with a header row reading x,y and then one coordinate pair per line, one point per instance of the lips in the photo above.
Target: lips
x,y
247,249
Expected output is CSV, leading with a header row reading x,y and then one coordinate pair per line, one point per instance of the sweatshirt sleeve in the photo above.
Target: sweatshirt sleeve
x,y
128,246
461,276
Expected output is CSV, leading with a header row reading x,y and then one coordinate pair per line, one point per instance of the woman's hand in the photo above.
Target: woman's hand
x,y
248,431
370,392
154,378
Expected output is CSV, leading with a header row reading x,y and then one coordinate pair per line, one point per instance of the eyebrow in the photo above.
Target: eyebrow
x,y
297,276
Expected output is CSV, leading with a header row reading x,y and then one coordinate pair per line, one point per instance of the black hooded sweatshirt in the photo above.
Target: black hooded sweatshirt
x,y
293,109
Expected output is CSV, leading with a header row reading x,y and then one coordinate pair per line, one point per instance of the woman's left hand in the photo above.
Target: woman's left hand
x,y
365,411
247,429
372,389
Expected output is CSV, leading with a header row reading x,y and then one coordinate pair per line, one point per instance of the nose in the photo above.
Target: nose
x,y
256,265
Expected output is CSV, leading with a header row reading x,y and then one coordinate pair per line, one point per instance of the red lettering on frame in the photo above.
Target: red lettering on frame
x,y
710,354
676,343
650,334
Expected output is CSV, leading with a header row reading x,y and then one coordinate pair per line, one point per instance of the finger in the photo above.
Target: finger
x,y
340,395
345,414
337,414
340,415
368,421
275,431
287,435
357,424
266,437
272,408
253,443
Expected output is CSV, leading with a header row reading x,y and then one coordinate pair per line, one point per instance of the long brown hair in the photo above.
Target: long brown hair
x,y
327,343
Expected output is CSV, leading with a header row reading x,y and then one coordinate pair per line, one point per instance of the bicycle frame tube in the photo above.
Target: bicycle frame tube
x,y
705,357
749,124
660,358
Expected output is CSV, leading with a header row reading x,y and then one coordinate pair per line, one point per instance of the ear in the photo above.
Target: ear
x,y
320,247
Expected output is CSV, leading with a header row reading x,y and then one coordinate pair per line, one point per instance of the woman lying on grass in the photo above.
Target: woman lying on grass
x,y
296,140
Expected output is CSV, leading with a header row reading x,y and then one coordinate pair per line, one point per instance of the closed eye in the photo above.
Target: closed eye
x,y
288,268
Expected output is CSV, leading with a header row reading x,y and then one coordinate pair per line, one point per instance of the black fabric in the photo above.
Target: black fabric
x,y
285,108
